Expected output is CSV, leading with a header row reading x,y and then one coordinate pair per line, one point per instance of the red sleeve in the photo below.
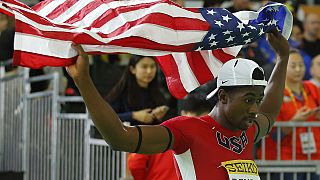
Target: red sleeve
x,y
137,164
178,127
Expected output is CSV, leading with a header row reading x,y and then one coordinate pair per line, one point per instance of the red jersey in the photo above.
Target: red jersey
x,y
152,167
203,149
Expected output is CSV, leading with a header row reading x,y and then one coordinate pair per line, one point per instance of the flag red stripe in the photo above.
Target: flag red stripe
x,y
108,15
27,29
41,20
222,56
138,42
135,42
166,21
170,70
41,5
38,60
199,67
80,15
17,3
61,9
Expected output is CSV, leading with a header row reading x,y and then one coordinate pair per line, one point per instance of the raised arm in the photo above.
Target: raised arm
x,y
154,139
272,101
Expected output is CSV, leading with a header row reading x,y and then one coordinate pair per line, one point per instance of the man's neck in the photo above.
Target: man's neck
x,y
220,118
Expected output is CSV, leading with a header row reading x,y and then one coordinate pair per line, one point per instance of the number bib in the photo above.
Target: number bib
x,y
241,170
308,143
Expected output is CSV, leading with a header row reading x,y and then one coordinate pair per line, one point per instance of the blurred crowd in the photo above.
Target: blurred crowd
x,y
137,90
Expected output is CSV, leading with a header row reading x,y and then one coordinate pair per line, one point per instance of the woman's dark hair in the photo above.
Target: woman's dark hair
x,y
128,85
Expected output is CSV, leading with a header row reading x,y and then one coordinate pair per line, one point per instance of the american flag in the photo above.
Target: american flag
x,y
44,33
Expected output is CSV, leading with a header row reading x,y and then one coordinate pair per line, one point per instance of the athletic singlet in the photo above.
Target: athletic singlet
x,y
205,150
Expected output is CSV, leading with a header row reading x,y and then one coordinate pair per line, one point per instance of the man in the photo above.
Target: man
x,y
311,42
161,166
315,71
207,147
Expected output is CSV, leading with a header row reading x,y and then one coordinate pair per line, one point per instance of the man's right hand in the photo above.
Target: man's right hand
x,y
279,44
80,70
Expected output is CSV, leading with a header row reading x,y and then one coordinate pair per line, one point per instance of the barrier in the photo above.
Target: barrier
x,y
38,139
45,144
277,168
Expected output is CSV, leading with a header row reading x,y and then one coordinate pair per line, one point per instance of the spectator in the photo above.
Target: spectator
x,y
106,72
6,39
240,5
315,71
136,97
7,31
179,2
295,41
210,3
300,103
311,42
161,166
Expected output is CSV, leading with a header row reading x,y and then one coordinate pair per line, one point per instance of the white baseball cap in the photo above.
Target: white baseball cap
x,y
238,72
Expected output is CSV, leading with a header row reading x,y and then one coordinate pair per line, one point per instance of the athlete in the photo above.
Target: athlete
x,y
216,146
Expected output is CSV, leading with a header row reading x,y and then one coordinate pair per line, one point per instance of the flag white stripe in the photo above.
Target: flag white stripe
x,y
132,50
147,31
36,44
50,7
39,45
72,10
188,79
130,16
212,62
90,17
288,23
27,10
172,37
233,51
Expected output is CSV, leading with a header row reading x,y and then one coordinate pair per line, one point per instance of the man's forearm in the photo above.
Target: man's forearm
x,y
103,116
274,91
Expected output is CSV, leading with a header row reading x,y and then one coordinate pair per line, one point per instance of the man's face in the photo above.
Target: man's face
x,y
242,105
312,24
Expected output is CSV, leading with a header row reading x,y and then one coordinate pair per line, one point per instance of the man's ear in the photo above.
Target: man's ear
x,y
222,96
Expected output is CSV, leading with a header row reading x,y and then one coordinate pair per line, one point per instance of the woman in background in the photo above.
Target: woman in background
x,y
300,104
136,97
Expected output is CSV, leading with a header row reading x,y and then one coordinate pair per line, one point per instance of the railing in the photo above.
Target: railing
x,y
35,138
278,168
38,139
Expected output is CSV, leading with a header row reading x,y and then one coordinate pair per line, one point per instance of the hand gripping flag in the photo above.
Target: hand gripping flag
x,y
44,33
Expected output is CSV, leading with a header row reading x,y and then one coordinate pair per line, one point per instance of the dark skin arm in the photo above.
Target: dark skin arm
x,y
155,139
272,101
